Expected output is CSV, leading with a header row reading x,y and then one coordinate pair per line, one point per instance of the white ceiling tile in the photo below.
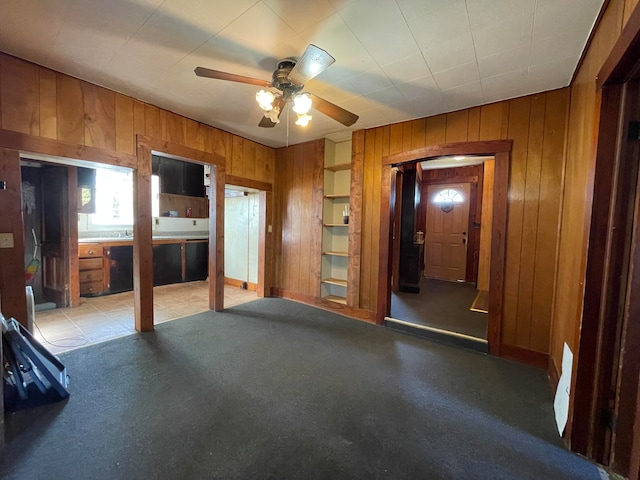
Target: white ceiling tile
x,y
506,61
505,85
559,16
358,104
460,75
258,29
418,88
386,96
406,69
484,13
420,8
507,34
333,35
301,15
552,75
370,81
381,28
463,96
456,51
441,25
555,48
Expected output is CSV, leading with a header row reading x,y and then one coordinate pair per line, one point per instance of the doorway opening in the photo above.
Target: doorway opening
x,y
441,254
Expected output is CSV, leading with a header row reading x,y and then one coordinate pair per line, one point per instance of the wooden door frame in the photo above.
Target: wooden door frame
x,y
501,151
265,264
584,431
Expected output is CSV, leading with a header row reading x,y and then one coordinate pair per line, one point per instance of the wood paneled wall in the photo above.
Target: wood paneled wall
x,y
41,102
536,124
298,200
578,188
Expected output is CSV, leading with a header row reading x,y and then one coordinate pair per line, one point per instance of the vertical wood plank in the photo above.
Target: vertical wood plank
x,y
490,121
48,110
297,220
530,221
13,298
519,132
436,130
548,217
236,156
457,126
305,187
72,213
473,132
194,134
152,124
315,230
216,240
418,133
143,244
125,132
70,109
396,138
138,118
407,132
368,212
20,96
355,219
175,128
484,260
99,116
248,159
376,174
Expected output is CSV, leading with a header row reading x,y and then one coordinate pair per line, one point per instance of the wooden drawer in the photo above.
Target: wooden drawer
x,y
88,288
91,263
89,251
91,276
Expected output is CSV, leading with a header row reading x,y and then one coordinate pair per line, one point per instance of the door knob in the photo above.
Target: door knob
x,y
464,241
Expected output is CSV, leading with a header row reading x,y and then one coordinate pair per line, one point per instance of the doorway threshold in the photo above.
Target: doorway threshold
x,y
438,335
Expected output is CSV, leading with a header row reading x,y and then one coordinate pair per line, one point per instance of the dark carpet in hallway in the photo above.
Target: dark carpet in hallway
x,y
443,305
277,389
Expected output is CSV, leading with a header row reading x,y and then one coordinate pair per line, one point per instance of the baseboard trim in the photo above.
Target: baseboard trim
x,y
238,283
524,355
347,311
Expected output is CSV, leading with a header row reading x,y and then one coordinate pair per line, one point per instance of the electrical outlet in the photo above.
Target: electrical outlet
x,y
6,240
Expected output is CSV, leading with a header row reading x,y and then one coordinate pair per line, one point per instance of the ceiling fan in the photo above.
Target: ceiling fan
x,y
286,85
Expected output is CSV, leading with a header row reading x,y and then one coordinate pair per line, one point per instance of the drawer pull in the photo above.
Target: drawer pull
x,y
90,252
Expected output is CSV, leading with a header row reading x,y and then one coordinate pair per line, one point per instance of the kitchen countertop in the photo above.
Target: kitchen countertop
x,y
124,239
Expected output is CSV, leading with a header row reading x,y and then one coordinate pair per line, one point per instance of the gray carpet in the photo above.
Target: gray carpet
x,y
443,305
277,389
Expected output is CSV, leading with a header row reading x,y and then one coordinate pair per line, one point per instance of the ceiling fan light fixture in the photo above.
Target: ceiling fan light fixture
x,y
273,115
301,103
303,119
265,99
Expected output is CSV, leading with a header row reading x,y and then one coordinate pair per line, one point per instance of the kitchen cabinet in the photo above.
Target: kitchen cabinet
x,y
178,177
196,261
120,268
167,263
93,280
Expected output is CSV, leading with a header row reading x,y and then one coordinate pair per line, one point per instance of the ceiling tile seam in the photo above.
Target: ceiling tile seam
x,y
421,54
360,94
62,24
473,41
533,22
116,52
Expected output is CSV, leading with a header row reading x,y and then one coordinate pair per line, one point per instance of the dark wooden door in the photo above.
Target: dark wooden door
x,y
55,236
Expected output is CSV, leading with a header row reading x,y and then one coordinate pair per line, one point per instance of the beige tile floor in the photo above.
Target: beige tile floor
x,y
103,318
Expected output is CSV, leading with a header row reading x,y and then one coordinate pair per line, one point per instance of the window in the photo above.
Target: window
x,y
448,195
114,198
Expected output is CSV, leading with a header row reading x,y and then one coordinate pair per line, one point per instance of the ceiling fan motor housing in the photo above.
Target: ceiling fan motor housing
x,y
281,80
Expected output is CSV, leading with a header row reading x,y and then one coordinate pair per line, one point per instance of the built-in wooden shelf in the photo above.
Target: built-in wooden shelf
x,y
336,254
335,281
337,168
339,195
335,225
336,299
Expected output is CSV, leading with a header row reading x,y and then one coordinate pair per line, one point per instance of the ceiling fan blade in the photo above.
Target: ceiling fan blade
x,y
314,60
208,73
266,122
332,110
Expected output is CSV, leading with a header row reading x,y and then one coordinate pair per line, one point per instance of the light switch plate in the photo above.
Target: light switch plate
x,y
6,240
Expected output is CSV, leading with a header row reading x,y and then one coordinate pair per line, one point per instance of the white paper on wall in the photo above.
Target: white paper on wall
x,y
561,402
